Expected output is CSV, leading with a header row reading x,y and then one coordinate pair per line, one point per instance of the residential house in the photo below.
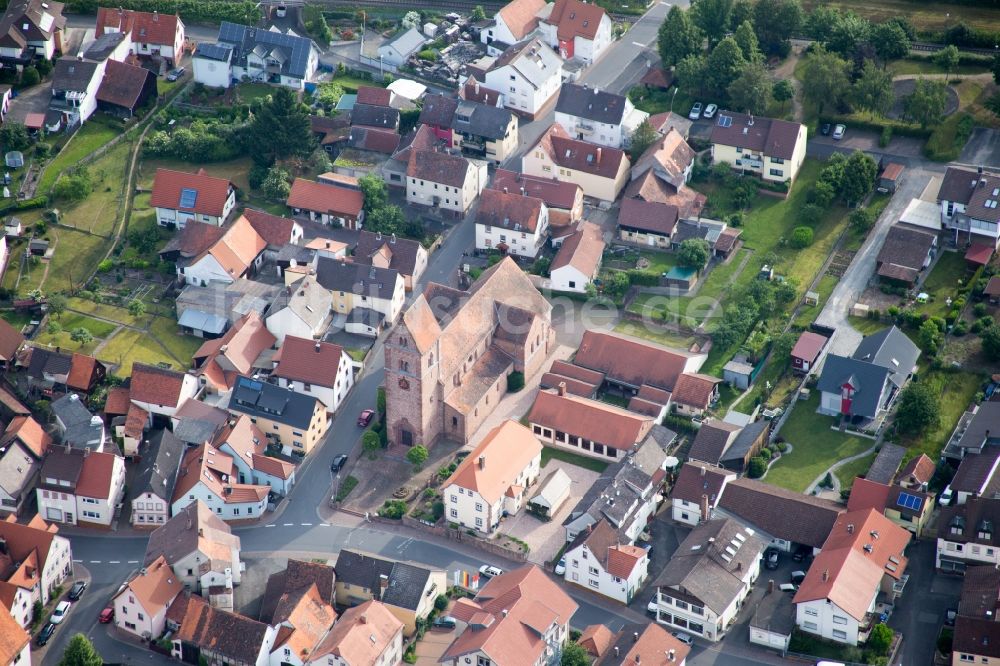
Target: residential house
x,y
297,577
862,388
141,604
661,175
783,519
437,114
50,371
151,34
474,91
293,421
160,391
29,434
862,560
31,29
484,132
977,430
208,475
80,486
647,223
365,634
179,196
19,470
327,203
974,475
11,342
694,393
217,635
76,425
383,119
15,642
578,30
968,201
600,171
422,138
552,493
494,479
153,486
322,370
975,633
276,231
247,445
748,443
634,482
125,89
36,558
966,535
905,253
907,508
447,360
354,285
597,116
771,148
396,51
243,349
197,422
520,617
75,83
597,561
238,252
917,474
634,644
578,261
511,224
773,619
528,74
207,312
269,56
406,257
668,120
405,590
708,579
806,351
697,491
591,427
444,181
512,23
300,309
563,199
992,291
714,437
199,546
302,618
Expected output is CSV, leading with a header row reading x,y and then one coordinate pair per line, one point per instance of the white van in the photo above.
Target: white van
x,y
829,663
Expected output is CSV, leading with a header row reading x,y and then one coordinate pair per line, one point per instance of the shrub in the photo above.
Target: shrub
x,y
393,509
429,55
30,77
885,137
757,467
801,237
417,455
961,328
979,309
370,442
440,603
515,382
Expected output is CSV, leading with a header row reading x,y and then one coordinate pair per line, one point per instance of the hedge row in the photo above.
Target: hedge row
x,y
207,11
898,128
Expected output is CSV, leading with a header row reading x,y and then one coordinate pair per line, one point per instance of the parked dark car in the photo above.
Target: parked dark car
x,y
801,553
771,559
949,616
365,417
825,130
338,463
175,74
444,622
45,634
76,591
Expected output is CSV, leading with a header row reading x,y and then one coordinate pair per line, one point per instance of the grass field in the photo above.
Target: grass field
x,y
114,313
815,447
130,346
906,66
956,391
847,473
98,213
97,328
75,256
15,318
63,341
181,347
807,313
235,170
95,133
943,282
549,453
249,92
925,16
654,335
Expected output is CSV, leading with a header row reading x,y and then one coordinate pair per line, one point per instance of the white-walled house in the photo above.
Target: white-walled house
x,y
396,51
709,576
320,369
969,209
75,83
602,172
578,261
444,181
153,484
179,196
597,561
494,479
206,475
150,33
141,605
512,23
34,28
46,559
528,75
160,391
598,116
578,30
360,286
266,56
15,648
511,223
300,309
238,253
698,488
80,486
200,547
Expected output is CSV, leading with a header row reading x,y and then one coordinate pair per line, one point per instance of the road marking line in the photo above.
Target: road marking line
x,y
133,562
95,561
305,524
324,524
638,44
288,524
80,561
268,525
114,562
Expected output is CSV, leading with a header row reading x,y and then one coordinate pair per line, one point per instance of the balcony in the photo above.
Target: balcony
x,y
899,586
750,162
585,128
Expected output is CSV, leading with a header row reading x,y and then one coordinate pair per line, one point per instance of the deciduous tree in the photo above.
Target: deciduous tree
x,y
574,655
848,34
724,64
751,91
713,17
679,37
14,136
775,22
825,78
643,137
276,186
926,104
80,652
947,58
821,21
374,190
890,41
859,177
690,74
783,92
747,40
873,89
693,253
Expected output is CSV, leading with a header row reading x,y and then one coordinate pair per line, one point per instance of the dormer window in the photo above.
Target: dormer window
x,y
984,531
957,525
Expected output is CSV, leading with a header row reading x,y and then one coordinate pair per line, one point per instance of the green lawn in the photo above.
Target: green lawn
x,y
667,338
181,347
16,319
847,473
594,465
75,256
357,354
248,92
659,262
815,446
957,390
97,328
866,326
131,346
658,101
351,84
95,133
112,312
63,341
807,313
98,213
943,282
918,66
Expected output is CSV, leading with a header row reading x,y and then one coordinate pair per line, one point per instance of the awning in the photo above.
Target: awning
x,y
979,254
202,321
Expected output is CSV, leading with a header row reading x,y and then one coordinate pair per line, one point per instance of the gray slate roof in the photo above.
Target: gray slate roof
x,y
17,469
890,348
886,464
475,119
744,440
589,103
158,467
82,427
356,278
406,582
178,537
867,378
406,42
71,74
267,401
698,567
245,39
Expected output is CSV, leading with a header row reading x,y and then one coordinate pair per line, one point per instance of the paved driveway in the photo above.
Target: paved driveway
x,y
546,538
666,536
30,100
983,148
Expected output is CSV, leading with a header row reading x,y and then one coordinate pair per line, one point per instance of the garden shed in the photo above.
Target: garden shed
x,y
551,495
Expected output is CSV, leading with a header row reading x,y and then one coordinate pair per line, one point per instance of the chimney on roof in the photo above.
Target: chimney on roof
x,y
393,239
982,182
505,190
703,470
383,585
770,586
671,653
616,650
476,85
505,611
201,531
562,388
826,575
704,508
635,636
598,155
317,346
850,528
482,462
980,170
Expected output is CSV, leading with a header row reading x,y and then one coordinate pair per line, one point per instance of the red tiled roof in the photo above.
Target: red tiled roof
x,y
575,19
272,466
555,193
443,168
273,229
918,471
374,96
145,27
867,494
509,211
476,91
979,253
212,192
155,385
575,154
808,346
309,361
582,250
135,421
10,341
324,198
30,433
598,421
81,372
123,84
521,16
657,77
993,286
96,475
892,171
596,639
648,216
694,389
118,401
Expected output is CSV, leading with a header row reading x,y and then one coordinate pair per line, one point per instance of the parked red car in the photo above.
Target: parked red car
x,y
106,615
365,418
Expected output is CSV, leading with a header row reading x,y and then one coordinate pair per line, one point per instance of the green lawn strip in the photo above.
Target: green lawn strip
x,y
594,465
351,84
716,283
667,338
63,341
956,391
357,354
850,471
659,262
94,134
943,282
181,347
865,326
815,446
98,213
99,329
248,92
103,310
783,381
727,396
16,318
807,313
909,66
73,261
616,400
130,346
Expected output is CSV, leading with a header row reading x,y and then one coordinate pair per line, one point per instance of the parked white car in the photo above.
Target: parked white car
x,y
695,111
490,571
59,614
561,566
710,110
